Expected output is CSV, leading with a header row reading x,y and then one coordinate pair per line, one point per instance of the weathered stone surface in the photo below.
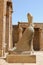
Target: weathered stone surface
x,y
12,58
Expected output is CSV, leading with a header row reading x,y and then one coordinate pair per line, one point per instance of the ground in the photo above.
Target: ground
x,y
39,60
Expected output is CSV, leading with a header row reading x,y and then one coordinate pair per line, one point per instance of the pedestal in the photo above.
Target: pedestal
x,y
21,58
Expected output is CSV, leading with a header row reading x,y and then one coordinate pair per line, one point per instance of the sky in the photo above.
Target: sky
x,y
22,7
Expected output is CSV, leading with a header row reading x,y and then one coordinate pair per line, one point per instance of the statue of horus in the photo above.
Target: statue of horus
x,y
25,43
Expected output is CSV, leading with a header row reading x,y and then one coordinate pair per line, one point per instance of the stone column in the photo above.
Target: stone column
x,y
4,28
20,32
10,28
41,39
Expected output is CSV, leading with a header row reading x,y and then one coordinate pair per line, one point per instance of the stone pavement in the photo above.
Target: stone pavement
x,y
39,60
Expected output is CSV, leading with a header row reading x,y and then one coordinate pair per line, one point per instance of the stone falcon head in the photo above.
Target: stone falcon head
x,y
30,17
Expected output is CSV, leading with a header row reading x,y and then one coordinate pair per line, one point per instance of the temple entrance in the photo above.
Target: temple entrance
x,y
36,40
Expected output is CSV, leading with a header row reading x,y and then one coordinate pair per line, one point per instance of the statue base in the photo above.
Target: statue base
x,y
21,58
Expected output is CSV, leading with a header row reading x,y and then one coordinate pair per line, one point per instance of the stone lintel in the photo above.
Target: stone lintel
x,y
12,58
